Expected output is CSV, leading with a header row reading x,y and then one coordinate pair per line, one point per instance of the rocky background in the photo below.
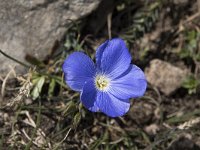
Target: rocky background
x,y
31,27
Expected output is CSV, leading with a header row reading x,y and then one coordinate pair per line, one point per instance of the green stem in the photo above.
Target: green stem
x,y
17,61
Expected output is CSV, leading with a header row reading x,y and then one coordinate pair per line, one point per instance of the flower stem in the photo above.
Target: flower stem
x,y
17,61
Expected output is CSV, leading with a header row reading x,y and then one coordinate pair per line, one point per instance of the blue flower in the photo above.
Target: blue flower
x,y
107,85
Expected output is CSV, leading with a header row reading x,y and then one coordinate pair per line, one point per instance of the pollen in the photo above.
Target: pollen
x,y
102,82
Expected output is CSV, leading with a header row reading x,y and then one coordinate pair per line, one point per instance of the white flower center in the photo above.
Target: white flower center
x,y
102,82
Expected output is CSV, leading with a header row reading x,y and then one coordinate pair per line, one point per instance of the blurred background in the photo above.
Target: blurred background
x,y
39,111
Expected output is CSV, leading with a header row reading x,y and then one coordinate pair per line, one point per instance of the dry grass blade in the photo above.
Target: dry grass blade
x,y
58,144
5,81
24,91
189,124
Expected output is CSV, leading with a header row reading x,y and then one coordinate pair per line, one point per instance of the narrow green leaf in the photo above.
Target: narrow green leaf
x,y
38,88
51,87
183,118
70,108
99,141
76,120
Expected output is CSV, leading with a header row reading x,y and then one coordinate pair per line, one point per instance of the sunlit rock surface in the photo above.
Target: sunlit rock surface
x,y
32,26
165,76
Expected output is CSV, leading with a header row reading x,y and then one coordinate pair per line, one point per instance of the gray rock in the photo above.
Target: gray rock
x,y
32,26
166,77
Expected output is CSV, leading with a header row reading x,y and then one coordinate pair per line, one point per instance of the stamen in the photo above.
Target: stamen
x,y
102,82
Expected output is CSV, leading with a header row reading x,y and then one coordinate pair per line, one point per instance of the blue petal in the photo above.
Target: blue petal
x,y
112,106
132,84
88,96
78,68
99,53
113,57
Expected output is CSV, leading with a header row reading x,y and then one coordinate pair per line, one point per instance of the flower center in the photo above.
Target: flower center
x,y
102,82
